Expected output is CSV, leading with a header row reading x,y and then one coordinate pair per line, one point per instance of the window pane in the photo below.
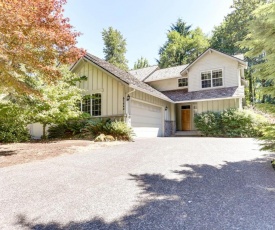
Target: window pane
x,y
217,74
206,83
183,82
217,82
206,76
96,102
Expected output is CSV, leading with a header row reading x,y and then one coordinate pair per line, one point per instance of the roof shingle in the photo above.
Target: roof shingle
x,y
166,73
125,76
184,95
142,74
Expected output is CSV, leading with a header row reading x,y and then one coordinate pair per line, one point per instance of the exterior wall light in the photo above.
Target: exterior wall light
x,y
166,108
128,97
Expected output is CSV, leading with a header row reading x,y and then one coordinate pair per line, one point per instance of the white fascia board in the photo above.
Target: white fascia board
x,y
211,99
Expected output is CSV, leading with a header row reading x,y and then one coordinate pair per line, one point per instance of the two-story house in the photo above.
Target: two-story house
x,y
158,102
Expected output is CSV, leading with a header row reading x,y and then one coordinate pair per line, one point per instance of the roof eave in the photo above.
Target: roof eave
x,y
150,93
209,99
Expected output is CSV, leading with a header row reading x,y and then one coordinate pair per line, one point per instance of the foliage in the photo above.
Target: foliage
x,y
141,63
267,108
231,31
260,41
71,128
230,123
182,46
120,130
34,37
115,48
91,128
13,123
268,138
234,27
59,102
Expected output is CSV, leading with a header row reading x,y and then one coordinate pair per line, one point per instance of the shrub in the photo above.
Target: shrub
x,y
69,129
13,124
230,123
118,129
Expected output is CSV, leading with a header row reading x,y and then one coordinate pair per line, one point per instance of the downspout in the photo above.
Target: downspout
x,y
128,115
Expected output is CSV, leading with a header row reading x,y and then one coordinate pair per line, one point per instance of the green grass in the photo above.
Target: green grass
x,y
266,108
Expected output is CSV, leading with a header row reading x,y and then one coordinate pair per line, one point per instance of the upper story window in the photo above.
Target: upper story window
x,y
211,78
96,104
182,82
91,104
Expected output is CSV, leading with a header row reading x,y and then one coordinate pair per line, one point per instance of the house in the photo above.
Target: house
x,y
158,102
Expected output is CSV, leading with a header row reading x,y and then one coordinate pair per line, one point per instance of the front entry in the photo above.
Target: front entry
x,y
185,118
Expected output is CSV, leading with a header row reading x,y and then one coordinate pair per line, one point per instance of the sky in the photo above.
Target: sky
x,y
143,23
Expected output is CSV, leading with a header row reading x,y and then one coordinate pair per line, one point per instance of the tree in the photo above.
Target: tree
x,y
58,102
115,48
234,29
260,41
181,27
34,36
141,63
182,46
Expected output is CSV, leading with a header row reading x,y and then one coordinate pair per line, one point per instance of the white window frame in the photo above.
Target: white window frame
x,y
211,71
179,83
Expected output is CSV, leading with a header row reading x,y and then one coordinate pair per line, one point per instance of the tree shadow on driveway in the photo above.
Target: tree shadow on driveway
x,y
236,195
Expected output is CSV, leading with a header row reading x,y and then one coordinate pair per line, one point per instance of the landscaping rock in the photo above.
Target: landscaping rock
x,y
103,137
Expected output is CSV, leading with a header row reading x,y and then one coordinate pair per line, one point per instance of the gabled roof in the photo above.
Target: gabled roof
x,y
124,76
182,95
142,74
166,73
213,50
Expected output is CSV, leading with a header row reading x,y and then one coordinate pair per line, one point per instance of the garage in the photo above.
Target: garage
x,y
146,119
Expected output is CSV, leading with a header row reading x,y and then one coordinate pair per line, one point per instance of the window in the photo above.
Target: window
x,y
96,104
183,82
86,104
211,79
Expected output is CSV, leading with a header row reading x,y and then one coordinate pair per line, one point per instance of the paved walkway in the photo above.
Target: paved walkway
x,y
161,183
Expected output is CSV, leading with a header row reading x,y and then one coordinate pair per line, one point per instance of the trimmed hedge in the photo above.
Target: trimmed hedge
x,y
230,123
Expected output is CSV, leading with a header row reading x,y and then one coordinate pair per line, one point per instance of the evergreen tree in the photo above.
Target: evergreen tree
x,y
115,48
141,63
182,46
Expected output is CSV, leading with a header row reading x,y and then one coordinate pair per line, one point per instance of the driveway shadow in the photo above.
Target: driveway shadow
x,y
4,153
236,195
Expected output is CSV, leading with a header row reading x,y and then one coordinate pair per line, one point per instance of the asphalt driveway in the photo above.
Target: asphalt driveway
x,y
161,183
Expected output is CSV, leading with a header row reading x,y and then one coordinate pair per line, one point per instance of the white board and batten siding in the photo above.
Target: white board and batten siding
x,y
213,61
218,105
113,92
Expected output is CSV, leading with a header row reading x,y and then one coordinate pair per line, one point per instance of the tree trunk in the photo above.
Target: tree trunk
x,y
44,131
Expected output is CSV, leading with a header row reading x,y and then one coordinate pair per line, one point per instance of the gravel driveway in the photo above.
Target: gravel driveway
x,y
160,183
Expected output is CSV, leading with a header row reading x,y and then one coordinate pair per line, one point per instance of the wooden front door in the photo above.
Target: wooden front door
x,y
185,119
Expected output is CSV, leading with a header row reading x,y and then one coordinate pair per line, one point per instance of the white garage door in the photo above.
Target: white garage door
x,y
146,119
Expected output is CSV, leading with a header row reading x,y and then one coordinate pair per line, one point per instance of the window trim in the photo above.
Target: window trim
x,y
205,71
180,79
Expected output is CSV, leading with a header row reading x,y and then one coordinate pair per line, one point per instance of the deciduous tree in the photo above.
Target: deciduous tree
x,y
34,36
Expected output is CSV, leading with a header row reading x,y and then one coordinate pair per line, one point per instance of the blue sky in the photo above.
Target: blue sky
x,y
144,23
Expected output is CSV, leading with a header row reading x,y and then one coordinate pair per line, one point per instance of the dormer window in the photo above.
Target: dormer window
x,y
183,82
211,78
